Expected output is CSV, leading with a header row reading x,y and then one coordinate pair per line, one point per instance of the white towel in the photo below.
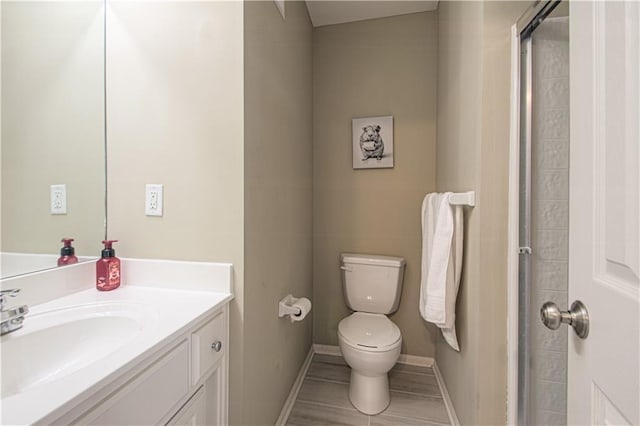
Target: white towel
x,y
442,237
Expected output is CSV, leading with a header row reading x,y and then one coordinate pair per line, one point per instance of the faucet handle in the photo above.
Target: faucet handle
x,y
11,292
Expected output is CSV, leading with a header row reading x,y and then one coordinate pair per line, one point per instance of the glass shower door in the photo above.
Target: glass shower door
x,y
544,217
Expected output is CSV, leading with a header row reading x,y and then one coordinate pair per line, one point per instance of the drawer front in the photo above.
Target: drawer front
x,y
204,356
150,396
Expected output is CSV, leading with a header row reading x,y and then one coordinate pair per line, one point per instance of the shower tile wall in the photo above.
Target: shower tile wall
x,y
550,217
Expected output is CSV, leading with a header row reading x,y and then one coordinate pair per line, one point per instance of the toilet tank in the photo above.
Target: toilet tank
x,y
372,283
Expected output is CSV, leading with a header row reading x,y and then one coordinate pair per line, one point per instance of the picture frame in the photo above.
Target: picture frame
x,y
280,4
372,142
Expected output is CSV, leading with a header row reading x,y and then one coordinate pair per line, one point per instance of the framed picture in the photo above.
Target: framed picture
x,y
372,142
280,5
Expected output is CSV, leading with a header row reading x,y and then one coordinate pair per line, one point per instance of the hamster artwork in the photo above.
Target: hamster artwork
x,y
371,143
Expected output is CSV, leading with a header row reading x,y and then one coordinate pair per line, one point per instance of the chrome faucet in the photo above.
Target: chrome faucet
x,y
12,318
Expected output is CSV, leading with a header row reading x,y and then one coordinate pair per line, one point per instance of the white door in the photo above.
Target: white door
x,y
604,258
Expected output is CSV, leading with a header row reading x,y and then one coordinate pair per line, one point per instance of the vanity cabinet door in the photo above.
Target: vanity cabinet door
x,y
216,397
150,396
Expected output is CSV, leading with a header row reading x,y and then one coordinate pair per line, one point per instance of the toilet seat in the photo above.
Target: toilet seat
x,y
369,332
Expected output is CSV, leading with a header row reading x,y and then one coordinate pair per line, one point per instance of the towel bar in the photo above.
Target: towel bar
x,y
463,199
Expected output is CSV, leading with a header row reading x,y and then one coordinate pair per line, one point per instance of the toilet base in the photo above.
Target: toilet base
x,y
370,395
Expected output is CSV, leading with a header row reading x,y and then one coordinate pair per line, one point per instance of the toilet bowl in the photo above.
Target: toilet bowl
x,y
370,344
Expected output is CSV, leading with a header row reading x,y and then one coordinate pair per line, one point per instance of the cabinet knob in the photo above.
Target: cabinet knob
x,y
216,346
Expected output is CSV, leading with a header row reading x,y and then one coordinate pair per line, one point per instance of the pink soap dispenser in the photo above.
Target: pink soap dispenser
x,y
67,253
108,268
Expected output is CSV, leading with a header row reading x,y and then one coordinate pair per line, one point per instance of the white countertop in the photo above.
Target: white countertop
x,y
166,313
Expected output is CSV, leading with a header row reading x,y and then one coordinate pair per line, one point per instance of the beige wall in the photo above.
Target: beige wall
x,y
175,117
458,169
52,125
372,68
232,146
178,118
278,201
474,100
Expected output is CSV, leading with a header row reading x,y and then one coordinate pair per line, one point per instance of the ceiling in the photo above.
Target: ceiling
x,y
327,12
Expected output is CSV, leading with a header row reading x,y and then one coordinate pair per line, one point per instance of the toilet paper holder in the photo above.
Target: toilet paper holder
x,y
285,308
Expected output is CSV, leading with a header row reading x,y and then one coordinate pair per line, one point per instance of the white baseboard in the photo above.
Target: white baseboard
x,y
453,418
424,361
327,349
404,359
295,389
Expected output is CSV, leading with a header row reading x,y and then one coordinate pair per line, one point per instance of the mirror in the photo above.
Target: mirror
x,y
53,131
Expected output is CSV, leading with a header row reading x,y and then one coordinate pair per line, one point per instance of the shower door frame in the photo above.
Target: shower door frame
x,y
520,32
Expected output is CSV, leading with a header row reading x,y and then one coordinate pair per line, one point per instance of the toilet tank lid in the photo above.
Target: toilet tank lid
x,y
372,259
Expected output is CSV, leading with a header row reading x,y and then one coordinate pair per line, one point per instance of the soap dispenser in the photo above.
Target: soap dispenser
x,y
108,268
67,253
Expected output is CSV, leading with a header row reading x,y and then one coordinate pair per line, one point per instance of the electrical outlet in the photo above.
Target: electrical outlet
x,y
153,200
58,199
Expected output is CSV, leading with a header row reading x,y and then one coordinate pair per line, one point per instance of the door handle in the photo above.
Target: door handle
x,y
577,317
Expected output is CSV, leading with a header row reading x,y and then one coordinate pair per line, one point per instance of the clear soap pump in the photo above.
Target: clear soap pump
x,y
108,268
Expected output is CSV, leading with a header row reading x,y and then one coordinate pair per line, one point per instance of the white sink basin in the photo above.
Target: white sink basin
x,y
54,344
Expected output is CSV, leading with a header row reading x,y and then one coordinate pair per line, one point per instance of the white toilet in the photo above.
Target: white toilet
x,y
370,342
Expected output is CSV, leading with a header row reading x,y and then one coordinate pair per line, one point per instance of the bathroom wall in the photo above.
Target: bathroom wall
x,y
176,117
278,201
213,100
52,125
458,169
473,152
372,68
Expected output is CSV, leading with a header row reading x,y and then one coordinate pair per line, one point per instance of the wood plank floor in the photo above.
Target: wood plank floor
x,y
324,397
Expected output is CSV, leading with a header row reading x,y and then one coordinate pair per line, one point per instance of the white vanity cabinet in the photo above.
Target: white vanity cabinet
x,y
185,383
153,352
